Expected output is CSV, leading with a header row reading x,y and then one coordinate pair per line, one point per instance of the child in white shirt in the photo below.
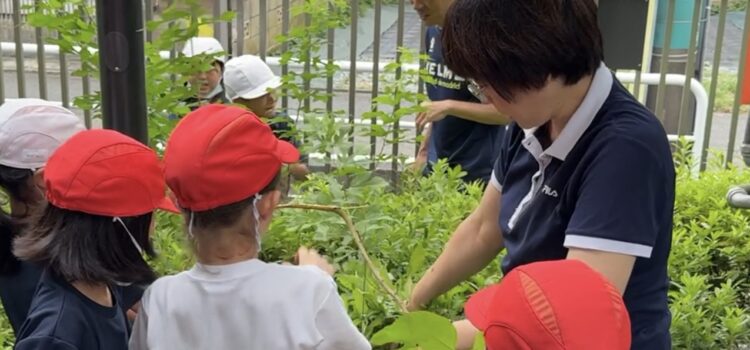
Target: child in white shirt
x,y
223,163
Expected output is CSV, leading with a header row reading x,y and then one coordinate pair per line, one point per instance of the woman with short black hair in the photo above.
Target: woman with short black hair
x,y
102,188
585,171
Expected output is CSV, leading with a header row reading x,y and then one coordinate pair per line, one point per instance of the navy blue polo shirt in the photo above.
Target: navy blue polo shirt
x,y
471,145
61,318
607,184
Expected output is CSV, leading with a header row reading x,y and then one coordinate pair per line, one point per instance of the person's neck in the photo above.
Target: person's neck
x,y
224,247
568,102
97,292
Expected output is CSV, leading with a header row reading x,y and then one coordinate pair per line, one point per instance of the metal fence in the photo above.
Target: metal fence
x,y
362,48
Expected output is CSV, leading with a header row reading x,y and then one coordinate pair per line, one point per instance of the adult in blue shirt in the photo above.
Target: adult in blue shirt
x,y
585,171
464,131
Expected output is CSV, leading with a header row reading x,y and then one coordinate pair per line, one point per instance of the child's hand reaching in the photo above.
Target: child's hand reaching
x,y
306,256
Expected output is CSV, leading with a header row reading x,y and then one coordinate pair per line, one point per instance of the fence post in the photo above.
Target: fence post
x,y
121,66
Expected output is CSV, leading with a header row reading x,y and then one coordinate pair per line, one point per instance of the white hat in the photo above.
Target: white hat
x,y
31,130
204,45
248,77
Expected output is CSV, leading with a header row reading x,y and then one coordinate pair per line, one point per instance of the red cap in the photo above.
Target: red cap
x,y
103,172
218,155
560,304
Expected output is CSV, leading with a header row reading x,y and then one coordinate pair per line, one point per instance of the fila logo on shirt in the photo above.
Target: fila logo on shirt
x,y
548,191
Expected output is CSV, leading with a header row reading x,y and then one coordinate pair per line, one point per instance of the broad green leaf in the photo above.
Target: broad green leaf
x,y
421,328
479,342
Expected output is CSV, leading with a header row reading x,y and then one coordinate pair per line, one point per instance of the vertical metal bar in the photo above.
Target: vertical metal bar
x,y
240,27
637,83
2,80
738,91
714,78
396,131
20,74
262,28
689,71
149,13
41,66
64,79
230,51
420,81
659,110
122,74
173,49
306,69
284,47
86,83
217,24
375,76
353,71
330,37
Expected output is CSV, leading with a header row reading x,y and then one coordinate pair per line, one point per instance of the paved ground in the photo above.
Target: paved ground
x,y
730,51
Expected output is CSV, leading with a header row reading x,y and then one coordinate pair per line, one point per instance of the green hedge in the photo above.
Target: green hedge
x,y
405,230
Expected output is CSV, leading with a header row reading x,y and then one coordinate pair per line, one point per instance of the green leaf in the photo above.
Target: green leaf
x,y
424,329
416,262
479,342
227,16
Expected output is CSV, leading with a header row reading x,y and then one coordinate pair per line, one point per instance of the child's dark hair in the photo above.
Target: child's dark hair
x,y
516,45
82,247
16,184
228,214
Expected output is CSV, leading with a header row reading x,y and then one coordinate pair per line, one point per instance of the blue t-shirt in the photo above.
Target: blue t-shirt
x,y
471,145
61,318
16,292
607,184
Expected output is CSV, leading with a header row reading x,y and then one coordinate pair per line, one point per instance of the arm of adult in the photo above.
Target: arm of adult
x,y
474,244
624,202
478,112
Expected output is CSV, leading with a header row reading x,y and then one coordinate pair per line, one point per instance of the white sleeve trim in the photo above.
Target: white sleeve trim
x,y
495,183
607,245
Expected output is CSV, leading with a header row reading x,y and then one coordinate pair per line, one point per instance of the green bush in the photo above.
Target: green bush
x,y
710,264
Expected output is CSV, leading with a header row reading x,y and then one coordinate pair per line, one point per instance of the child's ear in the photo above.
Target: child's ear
x,y
269,202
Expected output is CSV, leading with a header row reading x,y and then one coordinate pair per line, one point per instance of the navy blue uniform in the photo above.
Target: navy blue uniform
x,y
17,290
606,184
61,318
471,145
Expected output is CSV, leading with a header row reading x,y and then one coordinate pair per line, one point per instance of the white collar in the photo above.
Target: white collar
x,y
599,90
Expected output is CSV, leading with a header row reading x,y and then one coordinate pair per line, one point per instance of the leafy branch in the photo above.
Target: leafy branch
x,y
340,211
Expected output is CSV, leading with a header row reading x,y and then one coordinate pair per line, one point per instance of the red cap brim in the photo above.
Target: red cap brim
x,y
287,153
478,307
167,204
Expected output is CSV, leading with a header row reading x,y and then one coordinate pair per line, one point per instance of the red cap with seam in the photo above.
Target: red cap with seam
x,y
561,304
219,155
103,172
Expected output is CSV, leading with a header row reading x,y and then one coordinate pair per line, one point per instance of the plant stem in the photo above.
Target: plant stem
x,y
357,240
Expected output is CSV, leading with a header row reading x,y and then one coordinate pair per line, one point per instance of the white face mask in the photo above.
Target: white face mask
x,y
256,216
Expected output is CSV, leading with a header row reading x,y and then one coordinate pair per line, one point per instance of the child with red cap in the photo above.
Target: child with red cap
x,y
102,188
223,163
551,305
